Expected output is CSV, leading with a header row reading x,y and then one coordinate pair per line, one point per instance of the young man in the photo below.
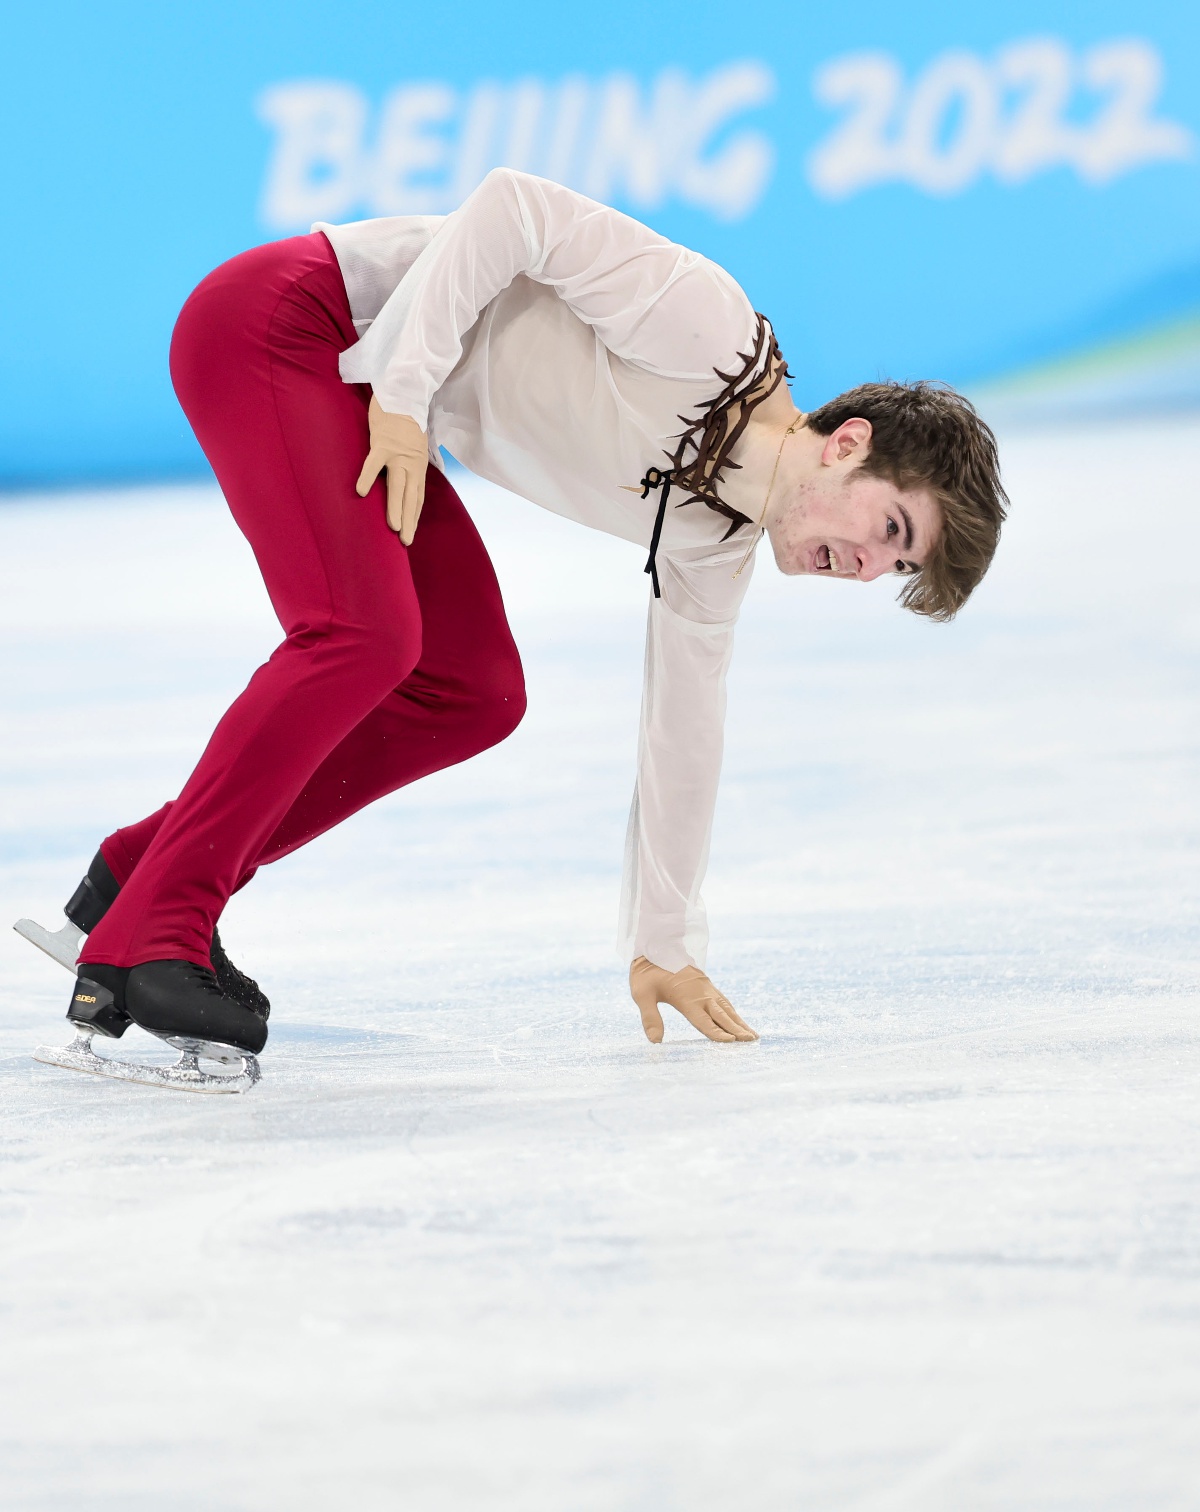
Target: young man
x,y
556,347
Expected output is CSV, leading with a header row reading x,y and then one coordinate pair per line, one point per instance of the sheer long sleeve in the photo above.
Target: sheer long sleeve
x,y
689,643
651,302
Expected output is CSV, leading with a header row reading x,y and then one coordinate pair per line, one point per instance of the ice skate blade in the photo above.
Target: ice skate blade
x,y
185,1075
226,1055
61,945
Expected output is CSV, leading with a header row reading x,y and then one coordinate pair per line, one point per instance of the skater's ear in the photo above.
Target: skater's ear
x,y
851,440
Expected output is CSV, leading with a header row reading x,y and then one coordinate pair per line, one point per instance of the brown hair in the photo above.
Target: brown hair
x,y
924,435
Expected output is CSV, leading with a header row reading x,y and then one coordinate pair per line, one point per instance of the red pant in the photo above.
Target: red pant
x,y
396,662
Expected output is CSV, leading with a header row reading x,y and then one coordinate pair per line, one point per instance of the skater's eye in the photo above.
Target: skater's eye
x,y
893,529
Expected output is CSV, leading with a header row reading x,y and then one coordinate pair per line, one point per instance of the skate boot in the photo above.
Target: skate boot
x,y
98,1002
91,900
88,904
178,1002
234,982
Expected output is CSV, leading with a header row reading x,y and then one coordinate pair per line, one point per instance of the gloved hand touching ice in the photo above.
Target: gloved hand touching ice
x,y
692,994
399,444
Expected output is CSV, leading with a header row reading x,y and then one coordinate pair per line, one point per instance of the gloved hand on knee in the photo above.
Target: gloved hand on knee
x,y
399,444
692,994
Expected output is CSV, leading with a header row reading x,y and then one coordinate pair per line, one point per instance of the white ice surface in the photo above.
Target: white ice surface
x,y
932,1244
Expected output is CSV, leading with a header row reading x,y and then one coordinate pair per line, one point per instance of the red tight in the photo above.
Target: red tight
x,y
395,663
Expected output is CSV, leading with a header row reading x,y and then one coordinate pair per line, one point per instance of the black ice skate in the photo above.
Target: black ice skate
x,y
89,903
178,1002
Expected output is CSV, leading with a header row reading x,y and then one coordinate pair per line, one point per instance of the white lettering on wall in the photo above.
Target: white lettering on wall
x,y
1035,106
315,172
615,138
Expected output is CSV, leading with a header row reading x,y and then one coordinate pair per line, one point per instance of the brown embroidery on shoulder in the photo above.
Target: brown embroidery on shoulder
x,y
713,434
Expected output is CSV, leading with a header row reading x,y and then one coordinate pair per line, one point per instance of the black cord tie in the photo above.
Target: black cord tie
x,y
656,479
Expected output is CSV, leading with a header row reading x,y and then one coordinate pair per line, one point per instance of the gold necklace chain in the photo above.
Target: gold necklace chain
x,y
795,425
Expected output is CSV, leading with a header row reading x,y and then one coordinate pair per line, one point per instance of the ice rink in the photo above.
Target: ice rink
x,y
933,1243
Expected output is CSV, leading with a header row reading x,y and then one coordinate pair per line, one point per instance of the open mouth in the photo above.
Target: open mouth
x,y
825,559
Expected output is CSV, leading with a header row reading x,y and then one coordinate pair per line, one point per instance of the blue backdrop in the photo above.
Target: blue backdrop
x,y
1004,196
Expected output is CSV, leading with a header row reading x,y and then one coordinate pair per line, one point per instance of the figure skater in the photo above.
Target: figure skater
x,y
573,356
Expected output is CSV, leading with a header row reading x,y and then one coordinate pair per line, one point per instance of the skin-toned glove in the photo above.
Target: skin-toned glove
x,y
399,444
689,991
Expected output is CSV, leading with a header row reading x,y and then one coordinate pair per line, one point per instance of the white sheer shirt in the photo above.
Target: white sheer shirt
x,y
551,344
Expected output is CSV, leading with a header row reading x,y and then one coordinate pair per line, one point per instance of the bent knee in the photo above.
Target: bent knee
x,y
498,701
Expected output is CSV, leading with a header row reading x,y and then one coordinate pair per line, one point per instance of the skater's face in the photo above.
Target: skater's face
x,y
833,520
